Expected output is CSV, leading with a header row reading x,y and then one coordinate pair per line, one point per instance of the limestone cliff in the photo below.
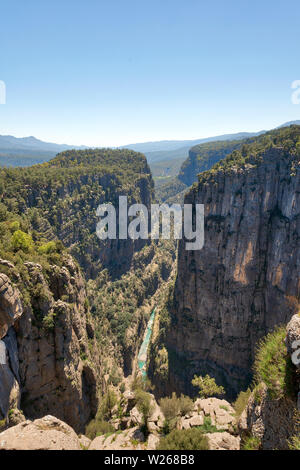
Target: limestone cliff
x,y
51,364
239,286
53,335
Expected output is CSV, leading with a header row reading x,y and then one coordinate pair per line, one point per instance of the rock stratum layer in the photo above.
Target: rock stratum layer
x,y
246,278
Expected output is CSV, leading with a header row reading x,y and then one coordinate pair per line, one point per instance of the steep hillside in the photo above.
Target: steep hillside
x,y
203,157
67,339
61,197
246,278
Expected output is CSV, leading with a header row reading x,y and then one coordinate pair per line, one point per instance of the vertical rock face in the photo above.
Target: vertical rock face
x,y
56,370
49,365
10,310
10,304
239,286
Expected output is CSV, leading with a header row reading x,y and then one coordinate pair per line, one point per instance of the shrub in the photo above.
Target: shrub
x,y
98,427
170,407
207,427
48,321
22,241
115,377
273,366
207,386
188,439
241,402
258,393
186,405
107,405
47,248
14,226
294,443
141,383
144,405
251,443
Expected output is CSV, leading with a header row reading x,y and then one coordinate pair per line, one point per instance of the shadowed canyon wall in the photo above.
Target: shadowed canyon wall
x,y
245,279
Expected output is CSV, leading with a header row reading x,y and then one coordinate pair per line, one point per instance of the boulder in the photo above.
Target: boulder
x,y
221,413
131,439
152,442
48,433
84,442
223,441
197,420
152,428
184,424
136,416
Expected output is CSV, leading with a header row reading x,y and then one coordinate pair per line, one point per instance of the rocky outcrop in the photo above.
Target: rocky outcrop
x,y
85,442
271,421
220,412
57,372
204,156
48,433
223,441
10,311
274,421
132,439
51,360
10,392
293,348
10,304
239,286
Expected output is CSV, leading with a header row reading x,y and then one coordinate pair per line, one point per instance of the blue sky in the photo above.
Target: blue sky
x,y
114,72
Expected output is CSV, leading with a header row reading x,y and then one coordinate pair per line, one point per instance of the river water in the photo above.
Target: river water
x,y
142,356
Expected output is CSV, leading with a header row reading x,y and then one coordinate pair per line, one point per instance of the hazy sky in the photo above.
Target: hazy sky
x,y
112,72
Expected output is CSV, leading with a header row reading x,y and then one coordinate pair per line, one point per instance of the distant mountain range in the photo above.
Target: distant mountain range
x,y
28,151
169,149
14,144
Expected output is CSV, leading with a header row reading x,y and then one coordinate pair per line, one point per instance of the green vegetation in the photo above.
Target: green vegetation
x,y
166,169
100,424
50,208
273,365
98,427
251,443
294,443
190,439
173,407
207,386
208,427
145,407
241,402
204,156
118,305
170,189
59,199
251,151
170,408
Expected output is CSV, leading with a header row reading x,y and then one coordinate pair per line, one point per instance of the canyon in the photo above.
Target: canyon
x,y
74,309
